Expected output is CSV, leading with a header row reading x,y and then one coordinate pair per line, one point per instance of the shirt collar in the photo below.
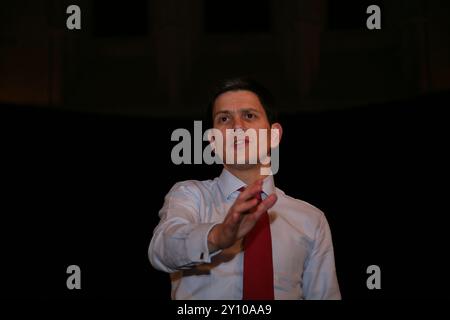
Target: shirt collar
x,y
229,184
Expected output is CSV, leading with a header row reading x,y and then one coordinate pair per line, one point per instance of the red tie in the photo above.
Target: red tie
x,y
258,265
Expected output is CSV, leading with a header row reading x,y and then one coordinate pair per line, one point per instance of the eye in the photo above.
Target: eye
x,y
250,115
223,119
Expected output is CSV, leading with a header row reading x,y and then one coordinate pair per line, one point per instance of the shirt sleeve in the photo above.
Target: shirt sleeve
x,y
180,241
319,278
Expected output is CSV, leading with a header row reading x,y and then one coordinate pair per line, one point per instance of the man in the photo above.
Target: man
x,y
206,236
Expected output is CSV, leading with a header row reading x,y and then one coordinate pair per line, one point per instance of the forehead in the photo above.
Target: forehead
x,y
236,100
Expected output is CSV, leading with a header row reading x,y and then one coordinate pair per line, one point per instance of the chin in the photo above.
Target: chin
x,y
243,167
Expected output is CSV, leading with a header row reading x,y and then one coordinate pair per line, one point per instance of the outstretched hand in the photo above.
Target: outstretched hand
x,y
241,217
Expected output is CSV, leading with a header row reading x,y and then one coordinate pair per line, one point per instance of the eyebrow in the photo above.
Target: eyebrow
x,y
242,110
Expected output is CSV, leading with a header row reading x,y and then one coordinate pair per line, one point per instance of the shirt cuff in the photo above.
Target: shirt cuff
x,y
197,244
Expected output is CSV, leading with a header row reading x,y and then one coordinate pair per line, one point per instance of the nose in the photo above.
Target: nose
x,y
238,124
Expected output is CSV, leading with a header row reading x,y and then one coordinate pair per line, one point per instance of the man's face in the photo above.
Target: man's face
x,y
237,112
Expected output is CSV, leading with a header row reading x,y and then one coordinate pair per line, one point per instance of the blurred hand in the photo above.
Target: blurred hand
x,y
241,217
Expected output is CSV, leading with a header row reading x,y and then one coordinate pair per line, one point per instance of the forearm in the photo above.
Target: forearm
x,y
176,246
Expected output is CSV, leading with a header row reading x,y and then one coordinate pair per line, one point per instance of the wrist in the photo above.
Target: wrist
x,y
213,244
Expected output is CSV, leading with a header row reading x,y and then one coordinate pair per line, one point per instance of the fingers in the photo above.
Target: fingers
x,y
243,207
254,215
265,205
241,219
237,217
248,198
248,204
269,201
251,190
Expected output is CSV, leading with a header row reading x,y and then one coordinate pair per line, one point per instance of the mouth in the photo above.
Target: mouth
x,y
241,141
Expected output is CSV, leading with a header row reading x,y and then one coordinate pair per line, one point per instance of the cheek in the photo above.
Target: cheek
x,y
222,138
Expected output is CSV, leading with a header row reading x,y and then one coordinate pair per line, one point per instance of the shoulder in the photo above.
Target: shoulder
x,y
298,210
194,188
301,205
194,184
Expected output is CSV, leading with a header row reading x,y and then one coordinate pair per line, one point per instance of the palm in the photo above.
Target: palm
x,y
242,216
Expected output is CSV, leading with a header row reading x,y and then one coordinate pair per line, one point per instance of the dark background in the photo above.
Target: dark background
x,y
86,118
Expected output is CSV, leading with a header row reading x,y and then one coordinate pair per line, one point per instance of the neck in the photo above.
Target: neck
x,y
246,174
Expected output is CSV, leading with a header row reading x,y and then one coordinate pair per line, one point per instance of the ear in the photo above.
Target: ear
x,y
276,131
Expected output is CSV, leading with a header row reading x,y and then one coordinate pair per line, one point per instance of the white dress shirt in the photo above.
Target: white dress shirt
x,y
303,258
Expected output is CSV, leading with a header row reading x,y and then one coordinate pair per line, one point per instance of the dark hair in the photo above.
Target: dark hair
x,y
242,83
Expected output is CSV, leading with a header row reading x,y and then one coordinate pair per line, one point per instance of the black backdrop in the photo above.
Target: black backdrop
x,y
85,189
